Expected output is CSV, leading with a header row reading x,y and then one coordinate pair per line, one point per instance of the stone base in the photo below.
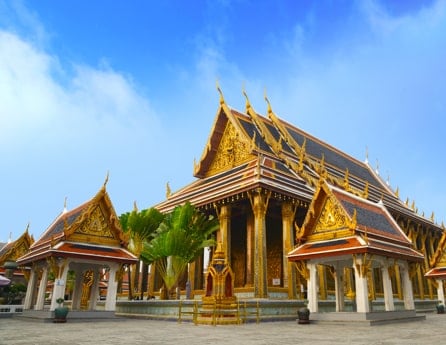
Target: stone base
x,y
370,319
48,316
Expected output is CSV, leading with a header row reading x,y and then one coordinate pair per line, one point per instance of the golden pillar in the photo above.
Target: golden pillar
x,y
259,203
289,273
398,282
322,282
249,279
224,217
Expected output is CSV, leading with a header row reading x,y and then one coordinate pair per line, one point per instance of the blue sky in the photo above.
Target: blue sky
x,y
128,88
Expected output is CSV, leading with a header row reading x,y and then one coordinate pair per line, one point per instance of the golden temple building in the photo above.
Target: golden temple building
x,y
275,188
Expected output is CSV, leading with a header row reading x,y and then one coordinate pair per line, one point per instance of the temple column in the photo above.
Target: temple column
x,y
31,289
289,273
42,289
112,289
259,203
59,283
399,289
94,292
349,282
249,249
224,217
322,282
312,288
440,291
409,303
362,295
387,287
339,287
77,292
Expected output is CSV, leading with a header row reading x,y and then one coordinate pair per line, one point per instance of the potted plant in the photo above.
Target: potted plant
x,y
61,312
440,308
303,314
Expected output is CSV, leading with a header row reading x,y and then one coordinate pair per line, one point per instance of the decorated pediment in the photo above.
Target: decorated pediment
x,y
232,151
97,224
326,218
17,248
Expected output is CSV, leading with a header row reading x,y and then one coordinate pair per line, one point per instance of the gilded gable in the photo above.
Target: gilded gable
x,y
94,228
232,151
331,222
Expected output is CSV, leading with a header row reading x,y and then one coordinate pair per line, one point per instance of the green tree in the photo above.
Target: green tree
x,y
179,240
140,225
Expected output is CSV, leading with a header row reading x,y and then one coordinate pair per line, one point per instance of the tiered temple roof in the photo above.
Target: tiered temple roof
x,y
91,230
246,151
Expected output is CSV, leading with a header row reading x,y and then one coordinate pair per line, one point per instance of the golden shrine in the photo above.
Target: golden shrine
x,y
219,304
276,188
84,250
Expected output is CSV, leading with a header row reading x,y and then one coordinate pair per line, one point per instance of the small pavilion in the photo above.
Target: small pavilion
x,y
357,241
438,268
89,243
10,252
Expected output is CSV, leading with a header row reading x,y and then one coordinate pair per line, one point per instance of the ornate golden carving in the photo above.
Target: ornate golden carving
x,y
95,225
232,151
301,267
86,288
331,217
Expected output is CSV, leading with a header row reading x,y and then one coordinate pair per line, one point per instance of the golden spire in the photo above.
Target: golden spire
x,y
135,207
302,155
346,184
397,192
106,178
248,104
269,109
168,190
432,216
65,206
222,99
366,190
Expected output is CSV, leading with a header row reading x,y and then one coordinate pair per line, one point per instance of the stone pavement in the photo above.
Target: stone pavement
x,y
138,331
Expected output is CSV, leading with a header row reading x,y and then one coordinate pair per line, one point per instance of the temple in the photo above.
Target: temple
x,y
300,219
84,251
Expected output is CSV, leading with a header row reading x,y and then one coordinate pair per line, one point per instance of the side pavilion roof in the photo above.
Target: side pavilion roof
x,y
340,224
90,231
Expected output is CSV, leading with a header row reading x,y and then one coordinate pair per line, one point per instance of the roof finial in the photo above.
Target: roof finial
x,y
377,167
269,109
10,237
135,207
168,190
366,155
248,104
222,99
65,206
106,179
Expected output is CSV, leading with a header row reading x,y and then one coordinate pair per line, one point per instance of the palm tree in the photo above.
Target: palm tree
x,y
140,226
179,240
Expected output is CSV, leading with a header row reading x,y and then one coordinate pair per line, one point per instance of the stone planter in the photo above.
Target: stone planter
x,y
60,315
303,315
440,308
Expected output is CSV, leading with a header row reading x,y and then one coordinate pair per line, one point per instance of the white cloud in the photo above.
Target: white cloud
x,y
35,99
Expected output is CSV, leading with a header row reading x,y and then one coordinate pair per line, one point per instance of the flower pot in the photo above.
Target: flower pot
x,y
440,309
303,315
60,314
